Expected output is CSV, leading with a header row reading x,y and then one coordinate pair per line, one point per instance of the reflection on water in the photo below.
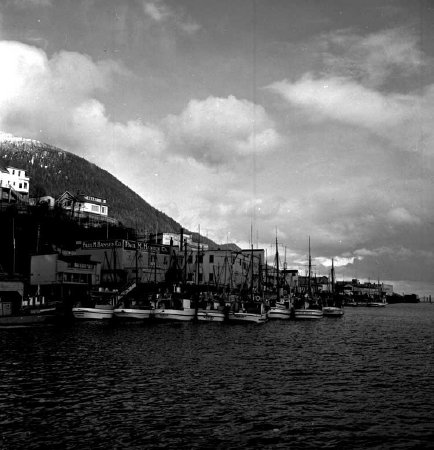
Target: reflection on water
x,y
363,381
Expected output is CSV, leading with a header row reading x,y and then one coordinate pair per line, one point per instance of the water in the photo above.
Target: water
x,y
362,381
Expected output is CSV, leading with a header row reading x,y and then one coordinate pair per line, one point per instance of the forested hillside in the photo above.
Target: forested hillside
x,y
53,171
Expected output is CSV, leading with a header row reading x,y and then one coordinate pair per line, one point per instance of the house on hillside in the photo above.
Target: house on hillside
x,y
14,185
84,208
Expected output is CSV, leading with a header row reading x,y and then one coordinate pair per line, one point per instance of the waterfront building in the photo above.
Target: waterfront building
x,y
64,276
123,261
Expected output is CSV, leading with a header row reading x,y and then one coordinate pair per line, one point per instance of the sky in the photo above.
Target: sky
x,y
251,119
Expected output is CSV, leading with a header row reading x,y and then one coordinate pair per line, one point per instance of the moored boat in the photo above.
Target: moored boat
x,y
308,308
248,312
211,310
376,304
280,308
134,311
332,311
308,312
29,311
100,306
333,306
174,308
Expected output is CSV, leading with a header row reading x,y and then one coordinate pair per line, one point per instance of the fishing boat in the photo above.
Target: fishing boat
x,y
248,306
211,310
333,308
101,303
248,312
134,310
280,308
99,306
377,303
174,308
332,311
28,311
308,308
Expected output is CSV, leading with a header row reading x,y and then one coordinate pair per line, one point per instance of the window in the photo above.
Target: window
x,y
13,172
25,185
211,258
211,277
200,259
20,185
103,210
95,208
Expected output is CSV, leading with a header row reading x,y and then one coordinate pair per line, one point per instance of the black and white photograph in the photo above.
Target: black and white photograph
x,y
216,224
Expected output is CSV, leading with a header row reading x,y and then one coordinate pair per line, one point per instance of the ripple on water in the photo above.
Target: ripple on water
x,y
361,382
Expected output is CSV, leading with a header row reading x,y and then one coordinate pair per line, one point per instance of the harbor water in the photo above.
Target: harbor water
x,y
362,381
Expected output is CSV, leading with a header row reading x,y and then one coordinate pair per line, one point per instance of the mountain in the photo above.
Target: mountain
x,y
53,171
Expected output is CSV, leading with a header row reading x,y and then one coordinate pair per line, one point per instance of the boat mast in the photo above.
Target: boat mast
x,y
277,271
309,287
333,277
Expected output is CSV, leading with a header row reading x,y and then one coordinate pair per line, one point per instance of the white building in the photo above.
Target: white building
x,y
82,205
14,181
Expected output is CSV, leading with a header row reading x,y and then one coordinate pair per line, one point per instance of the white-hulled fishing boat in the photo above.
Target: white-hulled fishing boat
x,y
248,312
100,306
332,311
97,312
134,310
334,303
174,308
308,312
280,308
308,308
211,311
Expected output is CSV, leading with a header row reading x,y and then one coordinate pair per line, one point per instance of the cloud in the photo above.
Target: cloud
x,y
218,131
159,12
400,215
55,100
374,58
344,100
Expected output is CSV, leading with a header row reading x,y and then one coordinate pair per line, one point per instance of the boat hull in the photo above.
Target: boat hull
x,y
279,313
27,320
308,314
206,315
245,317
183,315
332,311
92,313
132,314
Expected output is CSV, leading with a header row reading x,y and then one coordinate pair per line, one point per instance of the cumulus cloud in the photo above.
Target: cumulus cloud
x,y
55,100
374,57
402,216
216,131
345,100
